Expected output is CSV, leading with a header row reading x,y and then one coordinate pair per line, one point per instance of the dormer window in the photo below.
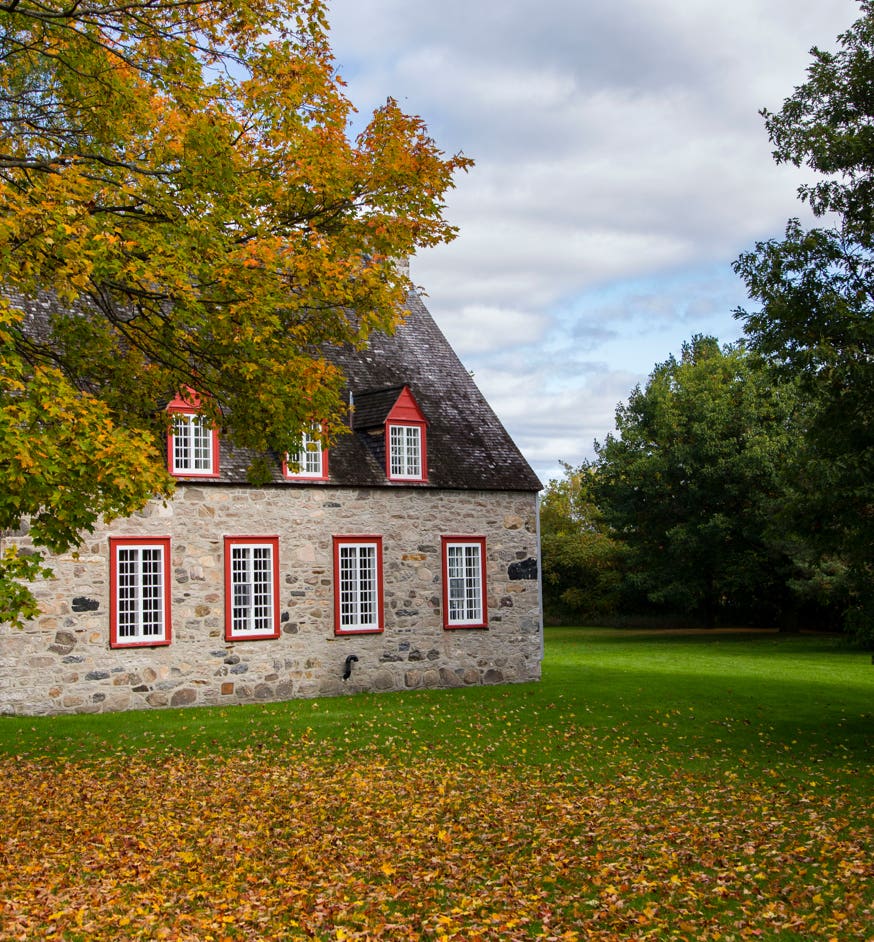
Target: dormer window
x,y
395,430
311,461
192,443
405,451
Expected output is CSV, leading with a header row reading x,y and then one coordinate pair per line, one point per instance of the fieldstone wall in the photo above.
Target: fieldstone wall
x,y
62,662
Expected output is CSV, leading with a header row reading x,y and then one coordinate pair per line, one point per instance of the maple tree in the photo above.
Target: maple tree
x,y
179,176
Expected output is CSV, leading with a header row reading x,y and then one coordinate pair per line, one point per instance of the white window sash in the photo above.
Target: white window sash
x,y
309,458
464,590
192,444
252,580
140,593
405,445
358,586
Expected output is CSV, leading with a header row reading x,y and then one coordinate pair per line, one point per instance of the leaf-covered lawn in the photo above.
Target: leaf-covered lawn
x,y
659,787
282,845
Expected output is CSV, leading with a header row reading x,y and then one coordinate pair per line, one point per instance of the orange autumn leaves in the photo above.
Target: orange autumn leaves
x,y
292,843
188,173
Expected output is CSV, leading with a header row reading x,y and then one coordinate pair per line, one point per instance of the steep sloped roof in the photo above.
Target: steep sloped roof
x,y
467,446
372,406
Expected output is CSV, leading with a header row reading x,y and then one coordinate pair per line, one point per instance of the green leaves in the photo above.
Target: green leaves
x,y
581,559
693,480
180,176
815,288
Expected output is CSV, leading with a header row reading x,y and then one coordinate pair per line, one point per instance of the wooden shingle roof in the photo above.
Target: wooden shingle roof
x,y
467,446
371,407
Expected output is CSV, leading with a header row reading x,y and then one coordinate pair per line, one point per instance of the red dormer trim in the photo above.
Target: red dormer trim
x,y
189,406
406,449
406,410
190,402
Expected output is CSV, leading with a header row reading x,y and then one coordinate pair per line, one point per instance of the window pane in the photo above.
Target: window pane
x,y
405,442
251,589
310,456
152,591
359,591
413,463
140,592
241,589
128,593
472,583
348,584
192,444
366,585
464,588
181,445
262,588
397,451
202,444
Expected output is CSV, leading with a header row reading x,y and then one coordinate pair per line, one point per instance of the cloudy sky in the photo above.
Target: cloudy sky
x,y
621,165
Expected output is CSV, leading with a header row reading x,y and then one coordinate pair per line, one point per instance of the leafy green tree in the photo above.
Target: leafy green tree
x,y
582,574
816,290
691,483
180,176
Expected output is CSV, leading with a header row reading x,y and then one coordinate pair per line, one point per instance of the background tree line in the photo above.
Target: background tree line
x,y
739,484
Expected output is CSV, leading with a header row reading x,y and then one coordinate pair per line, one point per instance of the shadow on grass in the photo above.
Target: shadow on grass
x,y
608,698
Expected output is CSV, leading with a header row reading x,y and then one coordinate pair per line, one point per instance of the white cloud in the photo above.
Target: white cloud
x,y
621,167
479,330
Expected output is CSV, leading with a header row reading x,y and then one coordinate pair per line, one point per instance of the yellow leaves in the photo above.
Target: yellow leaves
x,y
276,845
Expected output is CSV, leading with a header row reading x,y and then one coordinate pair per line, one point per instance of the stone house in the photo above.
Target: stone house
x,y
406,556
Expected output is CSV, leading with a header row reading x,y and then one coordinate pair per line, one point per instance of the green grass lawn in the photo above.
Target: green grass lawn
x,y
654,785
690,699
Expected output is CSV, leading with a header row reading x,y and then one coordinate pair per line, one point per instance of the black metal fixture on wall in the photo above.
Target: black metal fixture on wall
x,y
347,670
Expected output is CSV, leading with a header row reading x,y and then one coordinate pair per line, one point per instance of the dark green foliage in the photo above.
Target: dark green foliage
x,y
692,485
816,321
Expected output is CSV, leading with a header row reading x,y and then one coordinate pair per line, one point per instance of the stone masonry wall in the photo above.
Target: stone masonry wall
x,y
62,662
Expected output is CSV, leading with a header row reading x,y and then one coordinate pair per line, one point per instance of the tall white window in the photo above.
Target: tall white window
x,y
251,587
139,591
405,451
193,440
357,584
464,582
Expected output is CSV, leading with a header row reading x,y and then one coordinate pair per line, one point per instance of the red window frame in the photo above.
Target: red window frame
x,y
304,476
190,406
377,626
423,453
117,543
406,414
449,623
235,634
